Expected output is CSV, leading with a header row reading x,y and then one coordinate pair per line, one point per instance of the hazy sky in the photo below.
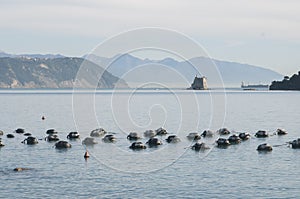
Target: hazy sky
x,y
264,33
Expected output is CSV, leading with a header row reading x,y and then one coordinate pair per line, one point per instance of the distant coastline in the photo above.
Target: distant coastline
x,y
58,71
122,90
52,73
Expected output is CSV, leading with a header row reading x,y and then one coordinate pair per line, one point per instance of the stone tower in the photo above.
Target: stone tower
x,y
200,83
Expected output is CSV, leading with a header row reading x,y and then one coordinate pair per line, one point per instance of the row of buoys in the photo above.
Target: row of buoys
x,y
153,140
51,136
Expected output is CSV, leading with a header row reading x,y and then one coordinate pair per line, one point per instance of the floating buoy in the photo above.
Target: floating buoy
x,y
43,118
21,169
86,155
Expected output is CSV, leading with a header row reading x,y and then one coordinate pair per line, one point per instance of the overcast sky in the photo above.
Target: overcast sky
x,y
264,33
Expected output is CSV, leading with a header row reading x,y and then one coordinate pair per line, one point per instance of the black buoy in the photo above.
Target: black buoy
x,y
21,169
43,118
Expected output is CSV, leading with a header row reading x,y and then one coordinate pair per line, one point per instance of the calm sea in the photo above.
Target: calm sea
x,y
170,170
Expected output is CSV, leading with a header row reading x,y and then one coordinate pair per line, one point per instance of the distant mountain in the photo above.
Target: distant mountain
x,y
135,71
181,73
26,72
4,54
41,56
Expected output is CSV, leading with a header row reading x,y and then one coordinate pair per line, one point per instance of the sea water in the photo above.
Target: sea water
x,y
170,170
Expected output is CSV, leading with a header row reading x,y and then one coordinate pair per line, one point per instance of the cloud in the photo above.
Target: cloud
x,y
228,18
258,32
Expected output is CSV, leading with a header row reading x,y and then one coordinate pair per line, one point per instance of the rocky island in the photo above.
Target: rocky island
x,y
288,83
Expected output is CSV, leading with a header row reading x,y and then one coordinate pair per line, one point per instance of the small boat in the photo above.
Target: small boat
x,y
254,86
249,89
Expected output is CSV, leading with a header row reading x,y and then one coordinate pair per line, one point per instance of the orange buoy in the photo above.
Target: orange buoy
x,y
86,155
